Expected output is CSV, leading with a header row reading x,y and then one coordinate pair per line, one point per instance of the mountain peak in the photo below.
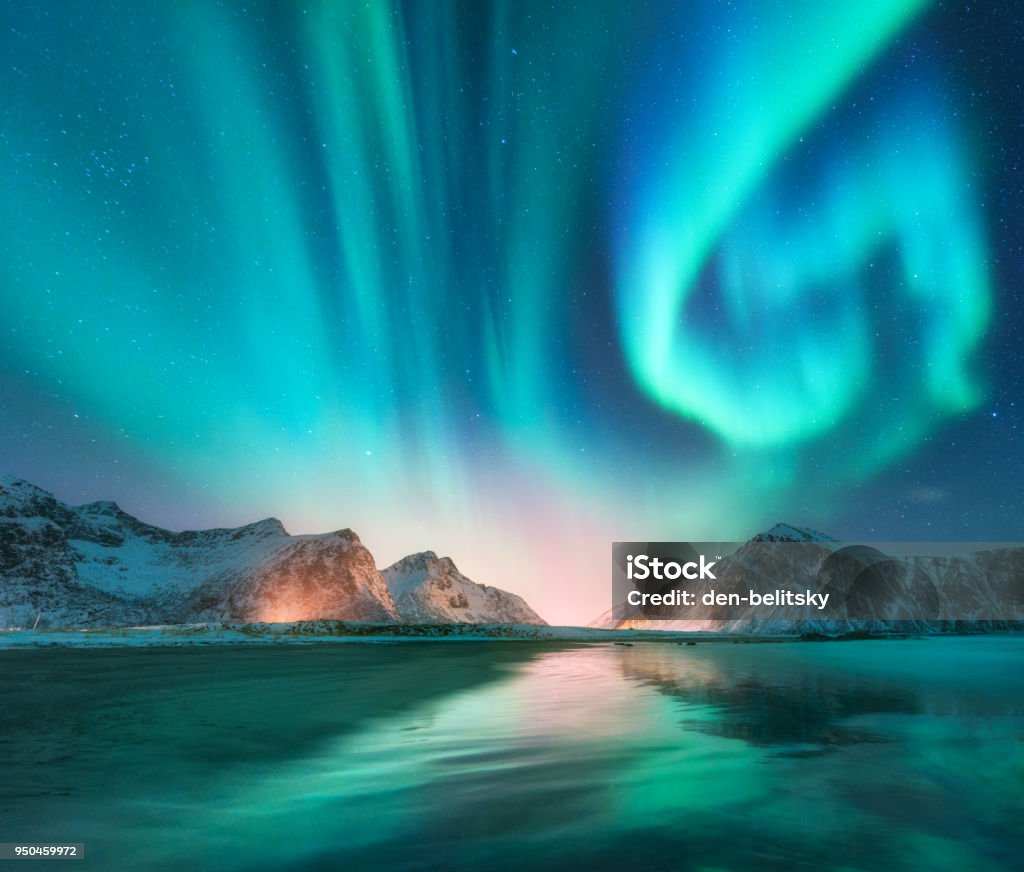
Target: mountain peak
x,y
22,499
430,589
419,562
421,559
18,487
103,507
266,527
788,533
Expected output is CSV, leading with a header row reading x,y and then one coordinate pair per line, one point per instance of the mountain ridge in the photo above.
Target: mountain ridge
x,y
97,565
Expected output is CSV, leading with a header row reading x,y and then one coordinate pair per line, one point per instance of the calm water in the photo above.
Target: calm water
x,y
858,755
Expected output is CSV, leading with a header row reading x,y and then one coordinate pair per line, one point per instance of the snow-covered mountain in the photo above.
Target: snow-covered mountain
x,y
981,590
96,565
428,589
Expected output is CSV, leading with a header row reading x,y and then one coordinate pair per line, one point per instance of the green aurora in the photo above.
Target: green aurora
x,y
465,276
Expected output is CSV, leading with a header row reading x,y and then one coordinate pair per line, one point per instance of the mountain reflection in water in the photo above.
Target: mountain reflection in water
x,y
857,755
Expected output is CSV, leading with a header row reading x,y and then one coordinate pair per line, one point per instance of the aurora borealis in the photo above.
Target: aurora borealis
x,y
511,281
778,256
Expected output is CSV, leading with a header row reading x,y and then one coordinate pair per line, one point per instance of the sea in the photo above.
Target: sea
x,y
900,754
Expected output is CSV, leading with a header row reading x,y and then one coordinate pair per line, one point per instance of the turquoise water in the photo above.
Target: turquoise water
x,y
854,755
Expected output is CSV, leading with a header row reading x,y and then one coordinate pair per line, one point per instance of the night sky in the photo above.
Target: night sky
x,y
511,281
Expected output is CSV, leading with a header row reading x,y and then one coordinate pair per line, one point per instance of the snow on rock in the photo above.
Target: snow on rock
x,y
428,589
96,565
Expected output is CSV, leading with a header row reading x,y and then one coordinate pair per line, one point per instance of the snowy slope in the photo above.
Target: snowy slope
x,y
96,565
430,589
134,559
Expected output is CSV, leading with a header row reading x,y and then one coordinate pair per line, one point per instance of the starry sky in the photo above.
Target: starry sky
x,y
511,281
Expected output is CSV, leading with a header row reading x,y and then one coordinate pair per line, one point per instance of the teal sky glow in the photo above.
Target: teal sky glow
x,y
505,281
